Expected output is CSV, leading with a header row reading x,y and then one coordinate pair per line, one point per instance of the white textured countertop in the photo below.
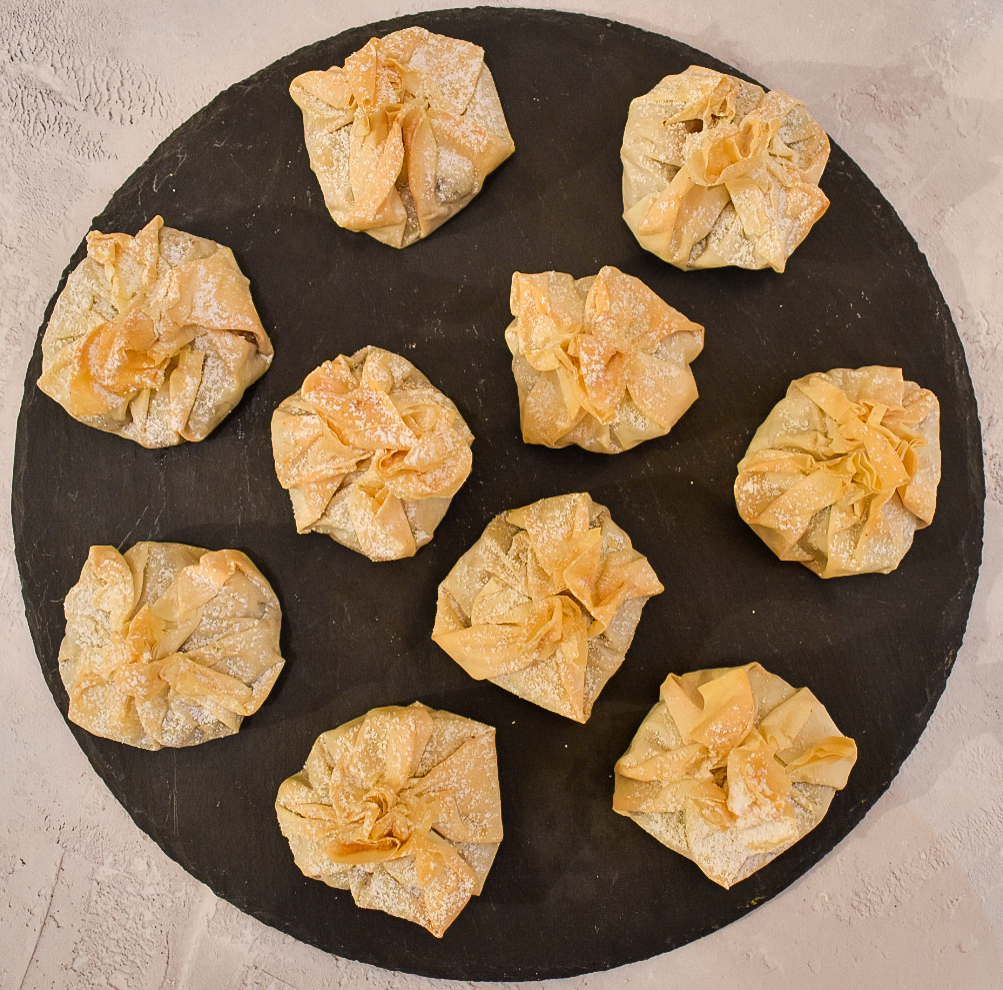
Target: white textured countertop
x,y
913,91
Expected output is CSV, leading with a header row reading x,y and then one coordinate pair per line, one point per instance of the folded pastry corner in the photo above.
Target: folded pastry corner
x,y
403,135
717,171
167,644
154,337
371,453
843,471
402,808
546,602
731,767
601,362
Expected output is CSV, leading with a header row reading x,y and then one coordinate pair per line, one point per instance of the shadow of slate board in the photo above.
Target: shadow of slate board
x,y
575,887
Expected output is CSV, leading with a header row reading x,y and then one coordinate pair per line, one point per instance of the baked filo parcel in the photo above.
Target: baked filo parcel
x,y
154,337
371,453
403,135
717,171
601,362
844,470
546,602
168,644
402,808
731,767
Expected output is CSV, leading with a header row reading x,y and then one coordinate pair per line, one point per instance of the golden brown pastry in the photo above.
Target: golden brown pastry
x,y
402,808
155,337
843,471
371,452
732,767
546,602
601,362
716,171
168,645
403,136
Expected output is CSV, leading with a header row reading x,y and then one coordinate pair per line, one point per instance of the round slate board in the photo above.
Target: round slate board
x,y
575,887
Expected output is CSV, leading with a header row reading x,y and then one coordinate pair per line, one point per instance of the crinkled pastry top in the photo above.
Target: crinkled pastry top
x,y
155,337
400,806
402,136
168,645
844,470
731,767
602,362
545,604
716,171
371,453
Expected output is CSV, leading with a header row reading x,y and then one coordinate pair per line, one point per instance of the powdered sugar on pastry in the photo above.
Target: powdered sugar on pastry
x,y
155,337
168,645
602,362
732,767
545,604
718,172
403,135
371,453
844,470
402,808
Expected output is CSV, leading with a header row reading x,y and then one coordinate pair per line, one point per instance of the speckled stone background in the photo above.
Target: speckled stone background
x,y
914,897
